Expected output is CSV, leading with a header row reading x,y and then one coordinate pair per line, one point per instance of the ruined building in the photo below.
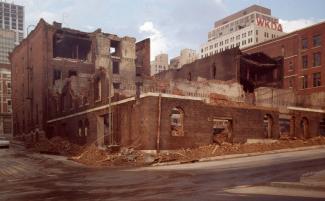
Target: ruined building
x,y
250,70
95,88
57,71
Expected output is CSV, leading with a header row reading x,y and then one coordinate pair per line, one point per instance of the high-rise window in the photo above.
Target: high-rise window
x,y
316,80
317,40
317,59
304,61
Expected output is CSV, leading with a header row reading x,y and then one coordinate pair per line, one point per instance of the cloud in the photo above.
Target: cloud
x,y
292,25
158,40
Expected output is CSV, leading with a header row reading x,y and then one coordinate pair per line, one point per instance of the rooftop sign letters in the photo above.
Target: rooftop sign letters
x,y
268,24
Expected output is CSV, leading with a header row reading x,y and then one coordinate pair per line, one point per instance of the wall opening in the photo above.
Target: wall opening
x,y
222,130
304,124
116,67
322,127
114,50
72,73
80,127
98,89
71,45
268,124
214,71
57,75
189,76
177,122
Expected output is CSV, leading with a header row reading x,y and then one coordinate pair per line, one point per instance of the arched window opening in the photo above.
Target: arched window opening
x,y
177,122
268,124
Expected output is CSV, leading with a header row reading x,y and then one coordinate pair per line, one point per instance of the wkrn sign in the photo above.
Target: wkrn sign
x,y
268,24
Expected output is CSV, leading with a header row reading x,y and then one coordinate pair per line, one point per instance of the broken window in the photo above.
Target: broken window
x,y
71,45
80,125
116,67
322,127
57,75
304,124
86,127
98,89
268,124
115,47
116,85
189,78
177,122
214,71
72,73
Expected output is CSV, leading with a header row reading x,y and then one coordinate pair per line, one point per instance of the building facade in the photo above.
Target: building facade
x,y
12,18
159,64
5,100
186,56
303,53
57,71
245,28
7,44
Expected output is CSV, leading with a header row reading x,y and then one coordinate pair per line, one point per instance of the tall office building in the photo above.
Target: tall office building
x,y
7,44
11,33
12,18
247,27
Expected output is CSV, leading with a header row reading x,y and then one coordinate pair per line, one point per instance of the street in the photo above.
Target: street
x,y
28,178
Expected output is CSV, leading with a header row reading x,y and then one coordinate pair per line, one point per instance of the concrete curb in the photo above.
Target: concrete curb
x,y
299,185
232,156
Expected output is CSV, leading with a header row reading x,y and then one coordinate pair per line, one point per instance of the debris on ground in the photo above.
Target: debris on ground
x,y
57,146
128,156
189,155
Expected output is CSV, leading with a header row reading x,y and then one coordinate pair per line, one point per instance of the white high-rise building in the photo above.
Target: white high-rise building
x,y
247,27
186,56
12,18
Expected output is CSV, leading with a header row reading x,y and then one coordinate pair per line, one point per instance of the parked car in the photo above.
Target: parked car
x,y
4,142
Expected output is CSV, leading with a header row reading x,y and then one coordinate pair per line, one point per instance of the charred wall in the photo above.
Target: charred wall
x,y
143,57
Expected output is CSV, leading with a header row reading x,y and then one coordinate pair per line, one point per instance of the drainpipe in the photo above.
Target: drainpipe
x,y
158,123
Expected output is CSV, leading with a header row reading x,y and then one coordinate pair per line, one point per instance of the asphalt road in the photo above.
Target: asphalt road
x,y
27,178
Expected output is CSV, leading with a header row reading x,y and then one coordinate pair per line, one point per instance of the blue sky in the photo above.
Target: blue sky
x,y
171,24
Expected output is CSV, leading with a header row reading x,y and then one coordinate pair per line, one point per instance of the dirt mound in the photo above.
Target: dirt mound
x,y
94,156
188,155
58,146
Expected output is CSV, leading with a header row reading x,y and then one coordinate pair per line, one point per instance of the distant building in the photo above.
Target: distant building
x,y
5,100
12,18
7,44
159,64
247,27
11,33
186,56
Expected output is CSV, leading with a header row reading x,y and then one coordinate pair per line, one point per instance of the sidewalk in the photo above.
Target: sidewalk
x,y
310,181
231,156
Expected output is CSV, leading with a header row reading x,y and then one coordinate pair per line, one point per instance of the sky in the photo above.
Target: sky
x,y
171,24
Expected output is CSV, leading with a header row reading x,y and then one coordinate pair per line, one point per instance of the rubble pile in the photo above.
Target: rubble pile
x,y
97,157
192,155
58,146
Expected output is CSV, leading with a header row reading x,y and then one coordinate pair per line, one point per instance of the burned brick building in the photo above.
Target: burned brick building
x,y
57,71
250,70
82,86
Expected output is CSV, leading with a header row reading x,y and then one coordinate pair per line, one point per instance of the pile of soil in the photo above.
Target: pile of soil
x,y
57,146
96,157
191,155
